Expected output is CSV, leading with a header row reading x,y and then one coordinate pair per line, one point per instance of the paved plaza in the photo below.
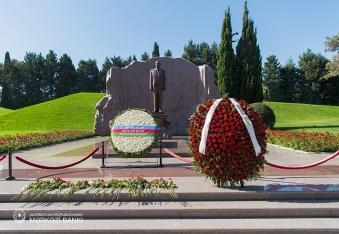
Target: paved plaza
x,y
116,166
280,201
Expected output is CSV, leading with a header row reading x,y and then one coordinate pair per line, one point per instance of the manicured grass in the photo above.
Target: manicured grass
x,y
73,112
4,110
76,112
295,116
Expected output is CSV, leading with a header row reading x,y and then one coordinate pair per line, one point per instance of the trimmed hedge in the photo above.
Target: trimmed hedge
x,y
266,113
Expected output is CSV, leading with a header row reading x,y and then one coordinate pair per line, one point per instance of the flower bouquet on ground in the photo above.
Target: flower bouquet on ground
x,y
134,133
135,187
228,141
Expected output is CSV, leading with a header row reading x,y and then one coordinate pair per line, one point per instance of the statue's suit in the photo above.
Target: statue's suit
x,y
157,85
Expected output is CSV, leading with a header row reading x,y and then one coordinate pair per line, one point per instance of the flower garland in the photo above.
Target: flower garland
x,y
133,186
230,157
134,132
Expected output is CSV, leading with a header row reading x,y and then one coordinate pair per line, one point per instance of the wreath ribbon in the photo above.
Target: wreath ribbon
x,y
246,120
249,126
205,129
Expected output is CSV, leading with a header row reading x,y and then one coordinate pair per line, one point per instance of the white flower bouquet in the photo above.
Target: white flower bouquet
x,y
134,132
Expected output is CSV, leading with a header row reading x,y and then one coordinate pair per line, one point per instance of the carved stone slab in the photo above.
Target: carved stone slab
x,y
187,86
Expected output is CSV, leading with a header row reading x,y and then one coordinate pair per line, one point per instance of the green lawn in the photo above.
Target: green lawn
x,y
4,110
77,112
306,116
67,113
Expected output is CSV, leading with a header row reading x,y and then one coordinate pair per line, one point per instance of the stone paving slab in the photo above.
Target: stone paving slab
x,y
277,225
174,209
147,166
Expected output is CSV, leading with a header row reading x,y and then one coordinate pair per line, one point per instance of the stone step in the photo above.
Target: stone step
x,y
258,225
169,210
217,195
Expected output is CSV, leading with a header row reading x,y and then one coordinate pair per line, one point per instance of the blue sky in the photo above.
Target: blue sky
x,y
96,29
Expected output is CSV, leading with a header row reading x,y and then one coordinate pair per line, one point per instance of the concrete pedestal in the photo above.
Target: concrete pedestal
x,y
164,125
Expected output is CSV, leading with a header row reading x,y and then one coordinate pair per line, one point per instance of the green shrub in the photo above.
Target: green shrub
x,y
266,113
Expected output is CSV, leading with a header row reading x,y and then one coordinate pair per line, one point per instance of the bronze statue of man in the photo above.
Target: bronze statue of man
x,y
157,85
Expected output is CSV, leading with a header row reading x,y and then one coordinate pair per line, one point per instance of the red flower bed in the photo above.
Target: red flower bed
x,y
305,141
18,142
230,156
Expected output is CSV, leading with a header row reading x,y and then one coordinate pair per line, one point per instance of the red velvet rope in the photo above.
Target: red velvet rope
x,y
2,157
60,167
177,156
305,166
271,164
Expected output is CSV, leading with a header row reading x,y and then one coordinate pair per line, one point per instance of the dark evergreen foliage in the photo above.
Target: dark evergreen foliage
x,y
66,77
248,62
144,56
271,75
168,53
87,76
5,81
155,52
227,80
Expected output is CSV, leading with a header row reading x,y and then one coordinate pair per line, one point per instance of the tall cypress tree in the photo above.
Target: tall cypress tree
x,y
155,52
227,79
5,102
248,62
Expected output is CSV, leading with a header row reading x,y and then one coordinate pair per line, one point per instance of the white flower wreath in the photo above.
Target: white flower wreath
x,y
134,132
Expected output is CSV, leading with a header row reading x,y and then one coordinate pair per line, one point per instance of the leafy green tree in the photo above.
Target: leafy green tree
x,y
106,66
313,67
118,62
332,45
88,76
200,54
50,73
155,52
134,58
1,72
168,53
291,83
33,74
248,62
5,80
227,80
271,76
128,61
144,56
66,77
17,85
329,94
191,52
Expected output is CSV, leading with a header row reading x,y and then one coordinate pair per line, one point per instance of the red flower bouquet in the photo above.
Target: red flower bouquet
x,y
230,156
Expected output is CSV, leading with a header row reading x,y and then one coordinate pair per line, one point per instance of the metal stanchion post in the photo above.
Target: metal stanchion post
x,y
10,177
160,154
102,155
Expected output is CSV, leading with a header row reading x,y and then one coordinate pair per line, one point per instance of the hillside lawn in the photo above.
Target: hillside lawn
x,y
77,111
319,118
4,110
73,112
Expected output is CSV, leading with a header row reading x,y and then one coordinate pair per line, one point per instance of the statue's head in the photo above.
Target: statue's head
x,y
157,64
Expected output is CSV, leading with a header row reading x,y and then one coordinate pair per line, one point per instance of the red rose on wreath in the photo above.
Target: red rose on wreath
x,y
230,156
